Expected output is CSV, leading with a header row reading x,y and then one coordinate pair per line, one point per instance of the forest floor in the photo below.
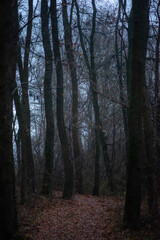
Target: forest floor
x,y
83,218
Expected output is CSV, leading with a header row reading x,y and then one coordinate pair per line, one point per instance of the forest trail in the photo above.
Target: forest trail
x,y
82,218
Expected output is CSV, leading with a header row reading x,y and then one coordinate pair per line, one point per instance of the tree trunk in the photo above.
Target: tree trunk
x,y
157,102
72,66
119,73
27,183
93,85
99,135
150,163
17,103
138,45
68,167
49,140
8,218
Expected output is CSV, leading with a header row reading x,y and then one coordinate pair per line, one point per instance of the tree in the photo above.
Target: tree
x,y
119,53
49,140
8,215
99,134
68,166
137,49
23,113
157,97
73,72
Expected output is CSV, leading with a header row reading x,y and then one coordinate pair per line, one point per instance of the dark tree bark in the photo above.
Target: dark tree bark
x,y
157,57
157,102
72,66
17,103
93,85
27,182
137,48
49,140
8,215
119,73
149,142
19,160
150,157
68,167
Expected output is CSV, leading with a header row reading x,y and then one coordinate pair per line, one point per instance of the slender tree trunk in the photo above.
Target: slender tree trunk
x,y
8,214
157,102
49,140
27,184
150,155
107,162
19,135
119,72
149,144
68,167
93,85
18,148
138,45
72,66
99,135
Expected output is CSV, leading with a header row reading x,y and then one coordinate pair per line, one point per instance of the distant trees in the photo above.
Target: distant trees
x,y
8,41
74,62
90,63
85,85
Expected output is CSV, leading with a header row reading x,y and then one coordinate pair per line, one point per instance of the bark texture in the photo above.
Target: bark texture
x,y
72,66
49,140
137,49
68,166
157,101
27,181
8,215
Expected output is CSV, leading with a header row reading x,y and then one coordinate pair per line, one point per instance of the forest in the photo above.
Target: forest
x,y
79,119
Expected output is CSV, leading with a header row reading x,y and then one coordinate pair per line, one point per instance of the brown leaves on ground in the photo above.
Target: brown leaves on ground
x,y
83,217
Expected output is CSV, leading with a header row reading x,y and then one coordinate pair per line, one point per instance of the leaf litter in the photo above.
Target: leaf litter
x,y
83,218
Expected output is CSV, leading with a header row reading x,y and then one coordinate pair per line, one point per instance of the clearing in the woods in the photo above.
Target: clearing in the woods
x,y
84,217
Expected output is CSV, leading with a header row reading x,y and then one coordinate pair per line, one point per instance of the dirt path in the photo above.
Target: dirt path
x,y
83,218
